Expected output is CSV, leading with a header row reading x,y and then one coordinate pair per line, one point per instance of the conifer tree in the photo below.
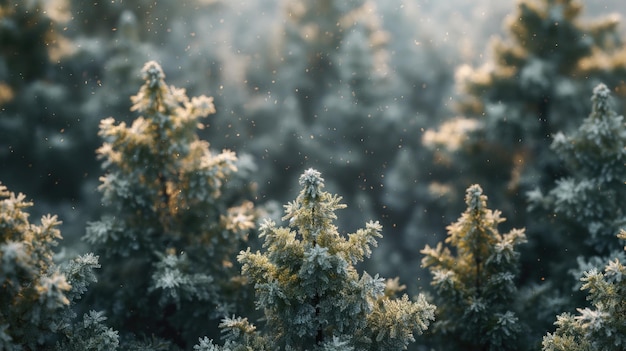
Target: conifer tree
x,y
537,79
539,72
592,199
333,98
100,19
601,326
475,280
42,131
120,72
311,294
27,34
584,210
172,231
37,295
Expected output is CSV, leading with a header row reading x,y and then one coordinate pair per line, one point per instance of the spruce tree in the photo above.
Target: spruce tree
x,y
171,231
342,109
311,294
602,326
38,296
539,72
332,94
27,34
538,78
583,211
592,199
42,131
474,279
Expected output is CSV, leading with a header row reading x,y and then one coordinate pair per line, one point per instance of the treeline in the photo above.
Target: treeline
x,y
180,245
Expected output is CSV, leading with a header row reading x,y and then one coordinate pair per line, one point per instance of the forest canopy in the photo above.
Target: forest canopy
x,y
218,175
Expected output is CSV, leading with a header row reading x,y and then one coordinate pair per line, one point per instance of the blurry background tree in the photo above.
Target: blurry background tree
x,y
172,227
475,283
312,296
530,90
42,132
331,100
38,295
343,98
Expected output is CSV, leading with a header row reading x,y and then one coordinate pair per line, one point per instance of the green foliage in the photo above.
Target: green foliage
x,y
42,131
91,334
475,281
593,196
601,326
537,80
26,33
334,102
512,108
584,210
309,290
36,295
346,87
171,230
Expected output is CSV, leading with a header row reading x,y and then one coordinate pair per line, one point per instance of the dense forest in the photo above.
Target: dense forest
x,y
312,175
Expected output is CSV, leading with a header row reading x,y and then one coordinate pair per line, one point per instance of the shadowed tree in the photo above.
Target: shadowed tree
x,y
42,132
